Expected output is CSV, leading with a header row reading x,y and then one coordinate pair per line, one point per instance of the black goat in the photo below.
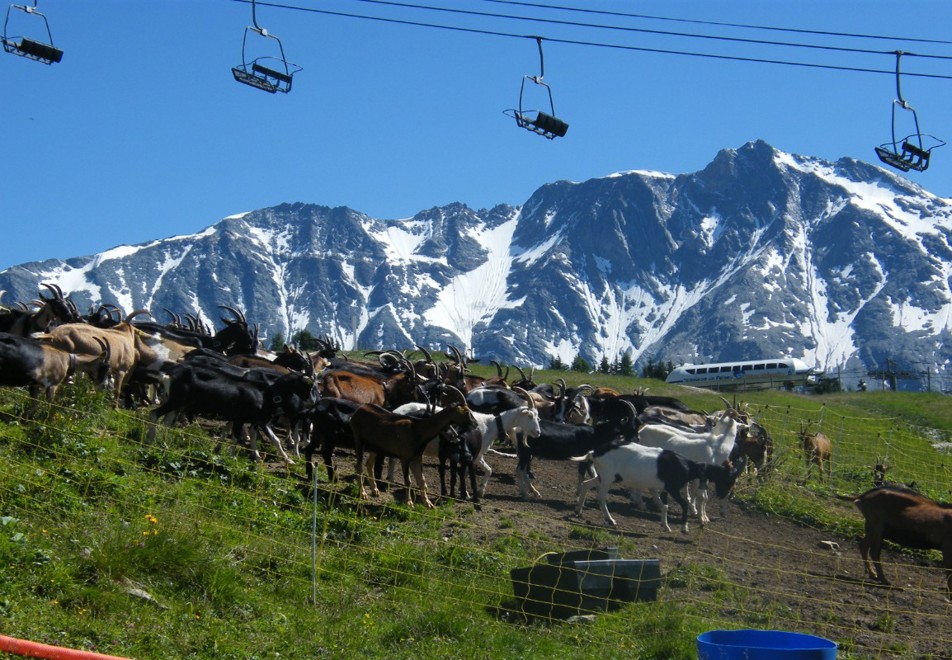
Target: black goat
x,y
239,399
330,429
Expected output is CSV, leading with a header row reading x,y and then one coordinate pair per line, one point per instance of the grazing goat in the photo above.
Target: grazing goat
x,y
691,421
383,390
817,449
43,368
379,431
453,449
494,399
905,517
658,470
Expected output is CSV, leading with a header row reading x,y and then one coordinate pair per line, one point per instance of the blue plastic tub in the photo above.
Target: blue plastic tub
x,y
763,645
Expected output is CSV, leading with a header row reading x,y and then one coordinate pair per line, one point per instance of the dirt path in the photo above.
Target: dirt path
x,y
777,573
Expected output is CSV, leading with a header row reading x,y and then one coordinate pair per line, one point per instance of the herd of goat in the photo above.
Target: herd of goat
x,y
394,408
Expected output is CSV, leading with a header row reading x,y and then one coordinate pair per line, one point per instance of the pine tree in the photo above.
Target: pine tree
x,y
277,342
625,367
305,341
649,370
581,364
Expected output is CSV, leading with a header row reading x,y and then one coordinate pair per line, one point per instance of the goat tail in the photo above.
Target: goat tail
x,y
587,458
846,498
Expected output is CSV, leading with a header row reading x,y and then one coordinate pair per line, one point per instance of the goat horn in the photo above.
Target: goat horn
x,y
138,312
498,368
238,316
426,353
631,406
107,352
456,394
51,290
525,395
54,289
457,356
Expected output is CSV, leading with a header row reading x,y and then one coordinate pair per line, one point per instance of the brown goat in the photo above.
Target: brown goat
x,y
379,431
907,518
81,338
391,390
817,449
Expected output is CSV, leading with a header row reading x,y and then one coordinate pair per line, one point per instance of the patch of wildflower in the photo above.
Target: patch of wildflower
x,y
152,530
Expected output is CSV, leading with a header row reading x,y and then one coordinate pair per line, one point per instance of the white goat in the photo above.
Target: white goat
x,y
710,447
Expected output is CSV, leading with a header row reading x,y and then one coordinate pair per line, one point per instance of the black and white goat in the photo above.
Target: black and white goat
x,y
712,447
561,442
657,470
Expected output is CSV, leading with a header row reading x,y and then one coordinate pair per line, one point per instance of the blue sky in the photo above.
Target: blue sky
x,y
141,131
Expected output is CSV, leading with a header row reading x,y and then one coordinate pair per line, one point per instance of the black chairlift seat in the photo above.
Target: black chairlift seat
x,y
908,155
33,50
266,78
267,72
544,124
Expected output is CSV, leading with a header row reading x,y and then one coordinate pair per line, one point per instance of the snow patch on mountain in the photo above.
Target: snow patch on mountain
x,y
477,296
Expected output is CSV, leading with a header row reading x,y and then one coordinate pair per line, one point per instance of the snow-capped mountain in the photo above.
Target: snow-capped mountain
x,y
761,253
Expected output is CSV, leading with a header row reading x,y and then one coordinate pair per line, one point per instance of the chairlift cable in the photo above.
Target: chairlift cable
x,y
595,44
619,28
748,26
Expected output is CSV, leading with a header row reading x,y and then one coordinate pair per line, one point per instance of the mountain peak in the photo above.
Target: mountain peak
x,y
761,253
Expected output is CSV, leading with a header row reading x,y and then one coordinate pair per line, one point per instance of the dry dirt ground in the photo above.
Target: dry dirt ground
x,y
765,571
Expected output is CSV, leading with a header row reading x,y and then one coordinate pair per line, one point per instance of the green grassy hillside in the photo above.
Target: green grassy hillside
x,y
173,550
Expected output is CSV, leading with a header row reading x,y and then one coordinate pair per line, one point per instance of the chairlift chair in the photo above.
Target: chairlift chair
x,y
39,51
267,72
543,123
914,151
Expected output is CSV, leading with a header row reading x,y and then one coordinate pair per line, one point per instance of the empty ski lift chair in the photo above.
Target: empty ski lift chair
x,y
543,123
910,153
267,72
33,49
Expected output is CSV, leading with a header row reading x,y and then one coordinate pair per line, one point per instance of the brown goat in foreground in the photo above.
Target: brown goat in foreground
x,y
907,518
818,450
379,431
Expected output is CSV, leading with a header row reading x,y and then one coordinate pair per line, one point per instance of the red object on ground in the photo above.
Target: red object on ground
x,y
37,650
